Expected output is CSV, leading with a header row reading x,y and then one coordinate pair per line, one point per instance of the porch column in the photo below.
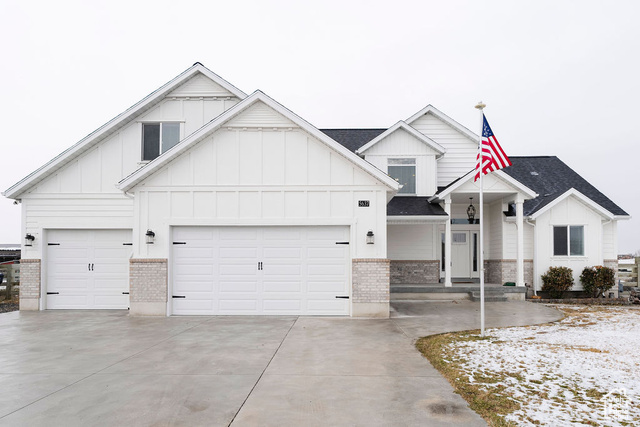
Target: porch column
x,y
520,227
447,243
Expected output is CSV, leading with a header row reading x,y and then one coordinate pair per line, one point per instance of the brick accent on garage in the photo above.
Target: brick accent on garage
x,y
148,286
370,287
499,271
30,279
414,272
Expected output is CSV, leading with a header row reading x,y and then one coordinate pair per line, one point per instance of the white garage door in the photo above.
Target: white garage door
x,y
87,269
260,270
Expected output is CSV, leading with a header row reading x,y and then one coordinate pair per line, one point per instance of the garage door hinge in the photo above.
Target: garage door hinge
x,y
53,293
53,244
179,243
342,243
342,297
178,296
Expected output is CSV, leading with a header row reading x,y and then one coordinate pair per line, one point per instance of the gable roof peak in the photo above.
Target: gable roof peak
x,y
411,131
430,109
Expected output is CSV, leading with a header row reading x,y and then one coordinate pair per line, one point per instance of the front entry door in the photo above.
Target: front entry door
x,y
460,262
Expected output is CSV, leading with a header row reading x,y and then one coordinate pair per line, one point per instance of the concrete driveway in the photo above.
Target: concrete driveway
x,y
106,368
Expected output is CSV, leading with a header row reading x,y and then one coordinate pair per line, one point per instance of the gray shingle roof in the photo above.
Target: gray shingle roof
x,y
407,205
550,177
352,138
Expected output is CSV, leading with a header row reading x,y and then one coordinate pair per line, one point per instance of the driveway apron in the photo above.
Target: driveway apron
x,y
104,368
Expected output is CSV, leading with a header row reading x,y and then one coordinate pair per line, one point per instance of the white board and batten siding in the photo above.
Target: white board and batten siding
x,y
570,211
460,153
247,174
83,193
401,144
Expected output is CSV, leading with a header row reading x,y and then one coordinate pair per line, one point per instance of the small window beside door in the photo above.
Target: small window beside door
x,y
158,138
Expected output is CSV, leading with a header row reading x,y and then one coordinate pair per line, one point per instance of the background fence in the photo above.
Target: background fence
x,y
628,271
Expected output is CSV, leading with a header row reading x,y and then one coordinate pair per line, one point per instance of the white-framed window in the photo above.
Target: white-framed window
x,y
158,138
568,240
403,170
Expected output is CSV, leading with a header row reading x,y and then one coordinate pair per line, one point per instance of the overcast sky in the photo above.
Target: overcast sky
x,y
559,77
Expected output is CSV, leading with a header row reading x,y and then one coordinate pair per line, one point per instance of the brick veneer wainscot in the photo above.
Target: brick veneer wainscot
x,y
415,272
370,279
148,280
29,284
499,271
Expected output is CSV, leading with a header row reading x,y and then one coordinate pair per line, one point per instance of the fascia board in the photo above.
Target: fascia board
x,y
575,193
413,132
62,158
133,179
448,120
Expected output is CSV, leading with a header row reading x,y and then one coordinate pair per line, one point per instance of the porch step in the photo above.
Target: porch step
x,y
491,296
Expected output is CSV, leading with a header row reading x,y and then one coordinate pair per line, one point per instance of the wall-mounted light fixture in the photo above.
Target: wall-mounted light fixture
x,y
471,211
151,237
28,239
370,238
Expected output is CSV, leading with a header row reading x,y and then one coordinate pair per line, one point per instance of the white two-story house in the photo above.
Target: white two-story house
x,y
201,199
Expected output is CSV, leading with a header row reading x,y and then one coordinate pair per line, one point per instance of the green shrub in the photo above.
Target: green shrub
x,y
557,280
597,280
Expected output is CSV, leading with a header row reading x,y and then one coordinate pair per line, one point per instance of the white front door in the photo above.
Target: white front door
x,y
87,269
260,270
460,263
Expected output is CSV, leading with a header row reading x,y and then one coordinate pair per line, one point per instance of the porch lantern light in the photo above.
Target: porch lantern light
x,y
370,238
28,239
151,236
471,211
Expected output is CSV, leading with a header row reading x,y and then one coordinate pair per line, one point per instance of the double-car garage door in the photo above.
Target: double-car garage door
x,y
260,270
214,270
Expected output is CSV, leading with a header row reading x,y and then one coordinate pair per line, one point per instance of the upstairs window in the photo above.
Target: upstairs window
x,y
568,240
158,138
403,171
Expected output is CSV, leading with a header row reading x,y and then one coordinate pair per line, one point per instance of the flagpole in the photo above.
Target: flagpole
x,y
480,106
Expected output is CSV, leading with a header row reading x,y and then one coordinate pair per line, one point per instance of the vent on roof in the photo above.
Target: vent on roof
x,y
534,173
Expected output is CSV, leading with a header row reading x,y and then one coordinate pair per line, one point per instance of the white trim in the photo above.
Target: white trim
x,y
416,219
404,126
42,172
136,177
528,193
430,109
581,197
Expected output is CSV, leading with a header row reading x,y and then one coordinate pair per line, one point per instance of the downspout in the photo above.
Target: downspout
x,y
535,256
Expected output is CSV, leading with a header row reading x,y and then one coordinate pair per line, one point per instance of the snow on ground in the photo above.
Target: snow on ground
x,y
583,370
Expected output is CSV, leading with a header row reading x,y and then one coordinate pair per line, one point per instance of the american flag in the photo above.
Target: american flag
x,y
493,156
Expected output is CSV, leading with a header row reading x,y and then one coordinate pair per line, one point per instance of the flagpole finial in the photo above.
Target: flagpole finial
x,y
480,105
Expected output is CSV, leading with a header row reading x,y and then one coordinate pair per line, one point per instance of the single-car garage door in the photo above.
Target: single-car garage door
x,y
87,269
260,270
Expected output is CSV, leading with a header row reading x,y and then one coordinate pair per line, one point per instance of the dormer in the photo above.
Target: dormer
x,y
408,156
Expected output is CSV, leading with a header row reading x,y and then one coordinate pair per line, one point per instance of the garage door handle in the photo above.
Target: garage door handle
x,y
342,297
53,293
178,296
125,293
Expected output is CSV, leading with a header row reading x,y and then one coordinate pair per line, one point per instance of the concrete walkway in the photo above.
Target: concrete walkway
x,y
104,368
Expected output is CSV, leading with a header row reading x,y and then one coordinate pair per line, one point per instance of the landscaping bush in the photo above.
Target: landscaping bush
x,y
597,280
557,280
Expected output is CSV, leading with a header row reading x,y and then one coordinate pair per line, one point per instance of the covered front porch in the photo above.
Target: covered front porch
x,y
434,243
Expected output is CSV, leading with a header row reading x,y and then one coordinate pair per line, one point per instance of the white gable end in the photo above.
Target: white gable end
x,y
460,153
260,115
200,85
401,144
